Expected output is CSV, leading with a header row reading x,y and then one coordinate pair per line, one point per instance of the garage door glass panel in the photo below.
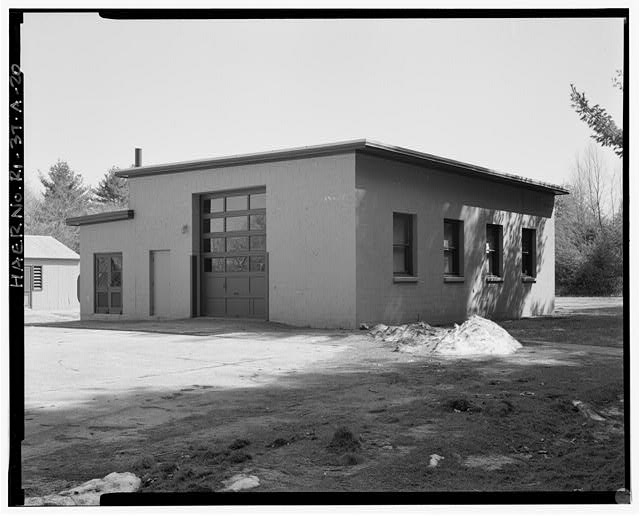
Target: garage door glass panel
x,y
237,203
258,222
236,223
258,201
257,263
238,264
258,243
237,244
213,205
214,265
213,225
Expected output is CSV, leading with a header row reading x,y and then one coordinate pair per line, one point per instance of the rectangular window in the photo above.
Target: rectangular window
x,y
529,252
37,277
403,245
108,283
453,254
494,250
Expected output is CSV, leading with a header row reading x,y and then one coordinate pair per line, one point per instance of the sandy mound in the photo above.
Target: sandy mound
x,y
476,336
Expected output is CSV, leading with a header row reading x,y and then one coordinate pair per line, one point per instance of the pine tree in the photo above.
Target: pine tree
x,y
112,190
65,195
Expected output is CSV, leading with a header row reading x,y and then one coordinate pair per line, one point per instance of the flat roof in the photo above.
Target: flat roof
x,y
363,145
47,247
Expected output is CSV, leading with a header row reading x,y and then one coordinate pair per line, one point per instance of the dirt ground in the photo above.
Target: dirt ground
x,y
343,413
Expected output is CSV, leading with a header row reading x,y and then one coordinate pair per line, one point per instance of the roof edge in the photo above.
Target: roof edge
x,y
362,145
238,159
377,148
98,218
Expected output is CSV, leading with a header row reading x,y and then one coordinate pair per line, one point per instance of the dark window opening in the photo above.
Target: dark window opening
x,y
494,250
403,245
453,254
529,252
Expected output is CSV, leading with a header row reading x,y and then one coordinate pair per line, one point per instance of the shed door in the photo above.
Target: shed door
x,y
160,283
234,261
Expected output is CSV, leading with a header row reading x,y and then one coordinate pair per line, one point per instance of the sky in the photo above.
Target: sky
x,y
492,92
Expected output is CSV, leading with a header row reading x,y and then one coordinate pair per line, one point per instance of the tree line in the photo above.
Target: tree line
x,y
589,221
64,195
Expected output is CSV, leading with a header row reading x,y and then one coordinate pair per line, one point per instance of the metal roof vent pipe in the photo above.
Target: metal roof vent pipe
x,y
138,162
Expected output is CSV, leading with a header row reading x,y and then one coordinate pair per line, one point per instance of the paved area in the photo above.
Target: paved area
x,y
577,305
66,366
69,361
50,316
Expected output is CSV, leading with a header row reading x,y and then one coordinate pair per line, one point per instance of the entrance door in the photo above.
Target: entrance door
x,y
160,283
234,237
108,283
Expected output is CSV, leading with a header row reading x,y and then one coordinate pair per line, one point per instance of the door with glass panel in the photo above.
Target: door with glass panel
x,y
233,249
108,283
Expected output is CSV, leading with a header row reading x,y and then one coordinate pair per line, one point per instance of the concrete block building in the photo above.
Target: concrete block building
x,y
51,272
324,236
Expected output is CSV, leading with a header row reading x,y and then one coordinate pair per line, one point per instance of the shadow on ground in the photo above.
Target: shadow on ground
x,y
500,424
198,326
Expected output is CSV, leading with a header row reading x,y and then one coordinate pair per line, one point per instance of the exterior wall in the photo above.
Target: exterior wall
x,y
385,186
310,238
108,237
59,285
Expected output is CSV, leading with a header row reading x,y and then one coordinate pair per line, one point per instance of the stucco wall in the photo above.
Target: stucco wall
x,y
384,186
109,237
59,285
310,237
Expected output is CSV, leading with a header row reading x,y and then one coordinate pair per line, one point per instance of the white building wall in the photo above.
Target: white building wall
x,y
310,237
59,285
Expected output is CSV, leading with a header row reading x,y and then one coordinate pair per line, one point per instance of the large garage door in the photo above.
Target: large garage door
x,y
234,238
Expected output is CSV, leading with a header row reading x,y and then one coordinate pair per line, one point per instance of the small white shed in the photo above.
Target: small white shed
x,y
51,274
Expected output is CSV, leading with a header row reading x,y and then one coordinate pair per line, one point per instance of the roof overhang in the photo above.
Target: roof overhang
x,y
363,145
99,218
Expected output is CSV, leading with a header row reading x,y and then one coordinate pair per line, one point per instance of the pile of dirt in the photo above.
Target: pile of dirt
x,y
476,336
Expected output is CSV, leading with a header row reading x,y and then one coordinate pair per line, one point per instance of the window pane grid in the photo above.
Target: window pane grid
x,y
452,230
494,249
403,244
528,252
